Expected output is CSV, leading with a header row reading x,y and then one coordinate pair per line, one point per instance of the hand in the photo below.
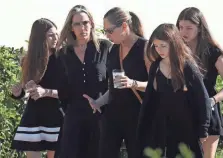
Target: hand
x,y
37,92
16,90
93,104
203,139
123,81
29,85
212,103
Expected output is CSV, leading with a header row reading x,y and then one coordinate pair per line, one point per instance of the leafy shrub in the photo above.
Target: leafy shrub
x,y
10,109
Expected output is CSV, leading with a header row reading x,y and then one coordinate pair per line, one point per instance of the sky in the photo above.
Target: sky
x,y
17,16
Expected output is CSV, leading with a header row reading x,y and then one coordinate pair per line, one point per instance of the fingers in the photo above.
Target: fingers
x,y
92,104
33,93
30,84
35,96
31,90
16,89
120,77
87,97
123,80
122,85
96,109
99,110
90,101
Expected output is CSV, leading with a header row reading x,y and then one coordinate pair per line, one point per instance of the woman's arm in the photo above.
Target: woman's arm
x,y
219,66
138,85
103,100
17,91
53,93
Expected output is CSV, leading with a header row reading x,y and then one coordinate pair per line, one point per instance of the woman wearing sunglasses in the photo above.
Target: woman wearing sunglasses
x,y
119,120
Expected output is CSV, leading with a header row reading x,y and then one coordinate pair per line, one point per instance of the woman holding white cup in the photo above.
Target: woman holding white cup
x,y
128,75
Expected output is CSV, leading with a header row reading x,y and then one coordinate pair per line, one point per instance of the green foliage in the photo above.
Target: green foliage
x,y
219,86
185,152
10,109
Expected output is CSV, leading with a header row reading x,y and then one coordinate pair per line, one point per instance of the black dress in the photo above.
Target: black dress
x,y
80,136
168,118
119,120
216,127
41,121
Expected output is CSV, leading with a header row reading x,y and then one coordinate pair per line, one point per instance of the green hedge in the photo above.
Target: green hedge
x,y
10,109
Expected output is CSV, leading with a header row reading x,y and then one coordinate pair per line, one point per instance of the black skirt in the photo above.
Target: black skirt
x,y
39,127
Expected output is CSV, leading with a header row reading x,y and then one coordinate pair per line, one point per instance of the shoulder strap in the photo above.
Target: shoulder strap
x,y
121,65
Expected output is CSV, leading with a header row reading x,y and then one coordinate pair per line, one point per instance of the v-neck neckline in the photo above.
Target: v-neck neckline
x,y
130,50
85,54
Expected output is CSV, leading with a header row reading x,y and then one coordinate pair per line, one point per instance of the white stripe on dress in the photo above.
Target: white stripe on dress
x,y
40,128
36,137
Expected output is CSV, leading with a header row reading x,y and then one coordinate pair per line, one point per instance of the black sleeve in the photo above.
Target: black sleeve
x,y
20,96
63,84
147,109
214,54
199,98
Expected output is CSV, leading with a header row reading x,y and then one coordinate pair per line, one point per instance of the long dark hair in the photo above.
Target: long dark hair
x,y
205,39
117,16
179,53
35,61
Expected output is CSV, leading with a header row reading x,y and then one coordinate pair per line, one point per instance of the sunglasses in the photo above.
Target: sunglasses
x,y
82,23
112,29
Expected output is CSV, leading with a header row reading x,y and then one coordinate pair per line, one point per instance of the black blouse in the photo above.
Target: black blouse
x,y
79,78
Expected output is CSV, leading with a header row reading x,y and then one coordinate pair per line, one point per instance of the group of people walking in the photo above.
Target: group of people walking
x,y
163,93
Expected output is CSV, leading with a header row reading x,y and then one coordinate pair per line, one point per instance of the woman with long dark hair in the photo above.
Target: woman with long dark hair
x,y
119,120
84,59
42,119
195,32
176,108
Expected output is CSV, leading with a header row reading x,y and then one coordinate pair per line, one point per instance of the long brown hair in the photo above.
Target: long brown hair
x,y
117,16
67,36
205,39
35,61
179,53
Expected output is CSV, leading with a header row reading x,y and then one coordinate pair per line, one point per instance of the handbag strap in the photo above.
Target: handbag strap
x,y
121,65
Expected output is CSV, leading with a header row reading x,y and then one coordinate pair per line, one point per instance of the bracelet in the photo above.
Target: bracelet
x,y
134,84
48,93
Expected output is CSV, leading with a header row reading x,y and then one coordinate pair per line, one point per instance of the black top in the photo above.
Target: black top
x,y
211,71
197,98
134,67
173,119
80,78
212,55
50,80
